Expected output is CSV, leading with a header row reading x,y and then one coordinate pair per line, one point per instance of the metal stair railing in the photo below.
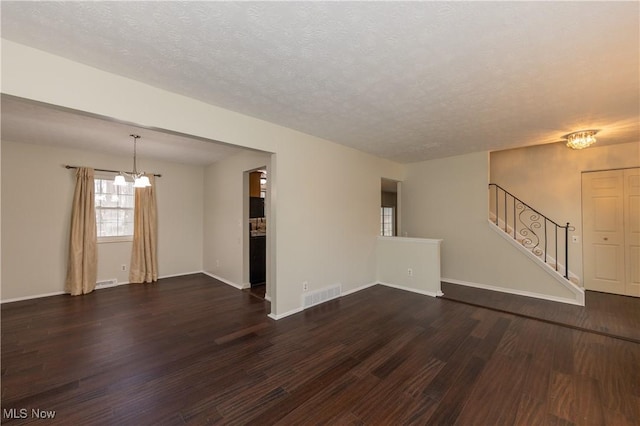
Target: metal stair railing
x,y
531,228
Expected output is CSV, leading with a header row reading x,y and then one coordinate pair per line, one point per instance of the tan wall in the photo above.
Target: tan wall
x,y
326,222
549,178
396,255
389,199
225,220
36,207
447,199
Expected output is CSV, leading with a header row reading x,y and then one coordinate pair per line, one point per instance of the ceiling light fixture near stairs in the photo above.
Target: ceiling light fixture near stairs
x,y
139,179
581,139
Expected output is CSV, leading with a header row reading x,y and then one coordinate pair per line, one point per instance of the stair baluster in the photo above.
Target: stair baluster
x,y
525,221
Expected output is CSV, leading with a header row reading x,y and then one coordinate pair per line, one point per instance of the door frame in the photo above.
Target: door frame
x,y
246,234
625,276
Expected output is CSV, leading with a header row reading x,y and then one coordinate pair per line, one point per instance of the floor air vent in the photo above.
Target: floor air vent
x,y
319,296
107,283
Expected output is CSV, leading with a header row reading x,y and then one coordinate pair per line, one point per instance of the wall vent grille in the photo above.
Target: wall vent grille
x,y
107,283
313,298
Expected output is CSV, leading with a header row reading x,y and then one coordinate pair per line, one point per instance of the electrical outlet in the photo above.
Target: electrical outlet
x,y
123,267
217,263
305,286
575,239
410,272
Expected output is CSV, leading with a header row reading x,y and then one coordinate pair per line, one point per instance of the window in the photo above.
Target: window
x,y
387,221
114,210
263,183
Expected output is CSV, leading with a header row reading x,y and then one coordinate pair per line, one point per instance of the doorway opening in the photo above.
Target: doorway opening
x,y
389,207
257,227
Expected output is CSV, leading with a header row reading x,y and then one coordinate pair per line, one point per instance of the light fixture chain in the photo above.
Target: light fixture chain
x,y
139,181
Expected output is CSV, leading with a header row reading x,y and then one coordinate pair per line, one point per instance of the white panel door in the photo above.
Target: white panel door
x,y
632,230
603,231
611,227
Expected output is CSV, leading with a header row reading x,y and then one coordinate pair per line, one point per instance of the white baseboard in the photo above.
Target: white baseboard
x,y
413,290
576,289
300,309
180,274
514,291
286,314
226,281
37,296
267,298
357,289
58,293
159,278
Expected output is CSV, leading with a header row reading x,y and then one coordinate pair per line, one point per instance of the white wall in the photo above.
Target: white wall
x,y
396,255
549,178
327,196
1,220
328,211
447,199
37,192
225,220
328,231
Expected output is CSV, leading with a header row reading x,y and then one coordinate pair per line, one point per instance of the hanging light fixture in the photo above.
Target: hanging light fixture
x,y
581,139
139,179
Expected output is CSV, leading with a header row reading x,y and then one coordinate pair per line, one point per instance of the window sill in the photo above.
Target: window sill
x,y
126,239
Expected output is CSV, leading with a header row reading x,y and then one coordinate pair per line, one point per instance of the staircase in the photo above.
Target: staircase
x,y
542,238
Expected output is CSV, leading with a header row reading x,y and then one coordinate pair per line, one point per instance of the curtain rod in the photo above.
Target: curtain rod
x,y
105,170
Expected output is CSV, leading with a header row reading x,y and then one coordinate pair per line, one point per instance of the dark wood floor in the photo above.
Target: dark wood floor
x,y
608,314
258,291
191,350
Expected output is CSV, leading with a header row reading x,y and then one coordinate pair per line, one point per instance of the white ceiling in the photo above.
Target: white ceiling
x,y
408,81
31,122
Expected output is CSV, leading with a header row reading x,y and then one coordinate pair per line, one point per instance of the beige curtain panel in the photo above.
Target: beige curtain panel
x,y
82,266
144,256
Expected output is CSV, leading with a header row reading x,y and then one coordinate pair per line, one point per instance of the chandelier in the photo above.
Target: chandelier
x,y
139,179
581,139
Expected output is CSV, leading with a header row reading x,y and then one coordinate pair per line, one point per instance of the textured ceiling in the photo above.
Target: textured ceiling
x,y
32,122
407,81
